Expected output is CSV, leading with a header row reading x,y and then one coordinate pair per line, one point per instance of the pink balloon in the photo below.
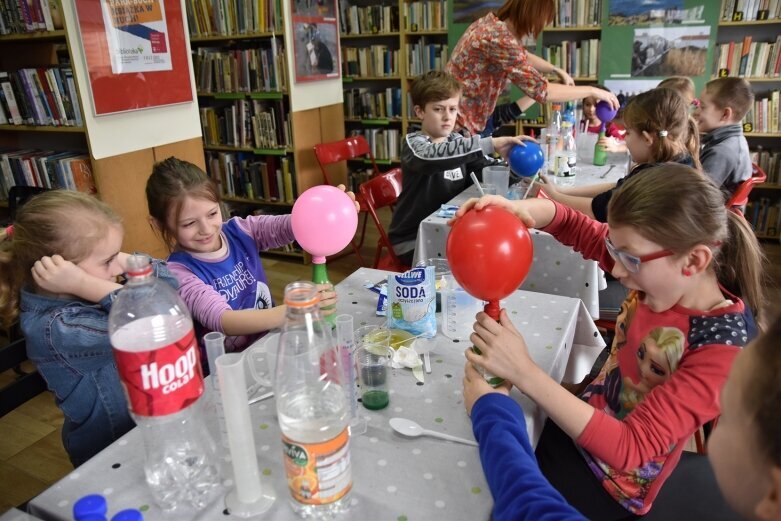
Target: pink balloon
x,y
324,221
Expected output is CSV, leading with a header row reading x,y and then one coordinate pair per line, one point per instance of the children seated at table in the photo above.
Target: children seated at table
x,y
744,449
725,155
436,161
592,124
658,130
60,262
687,261
221,278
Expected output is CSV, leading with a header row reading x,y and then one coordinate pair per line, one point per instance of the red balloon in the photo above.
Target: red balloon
x,y
490,252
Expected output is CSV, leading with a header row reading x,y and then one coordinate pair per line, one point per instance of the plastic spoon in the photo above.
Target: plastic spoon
x,y
409,428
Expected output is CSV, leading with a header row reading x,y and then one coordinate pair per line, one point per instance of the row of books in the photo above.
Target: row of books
x,y
579,59
240,70
245,175
745,10
372,103
45,169
247,124
357,177
375,60
424,56
19,17
770,163
41,96
371,19
748,59
763,117
577,13
384,143
426,15
233,17
764,215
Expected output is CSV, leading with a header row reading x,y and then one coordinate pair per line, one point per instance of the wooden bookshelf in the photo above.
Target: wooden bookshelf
x,y
36,36
42,128
223,38
773,21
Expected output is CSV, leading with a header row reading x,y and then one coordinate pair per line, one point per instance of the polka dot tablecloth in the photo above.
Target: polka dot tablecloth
x,y
394,478
557,269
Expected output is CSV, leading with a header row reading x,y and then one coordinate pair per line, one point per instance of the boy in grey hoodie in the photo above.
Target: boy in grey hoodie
x,y
725,155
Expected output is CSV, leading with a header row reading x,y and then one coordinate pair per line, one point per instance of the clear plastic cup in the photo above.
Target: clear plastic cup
x,y
371,362
459,309
499,176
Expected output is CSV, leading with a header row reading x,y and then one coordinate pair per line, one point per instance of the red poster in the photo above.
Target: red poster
x,y
135,52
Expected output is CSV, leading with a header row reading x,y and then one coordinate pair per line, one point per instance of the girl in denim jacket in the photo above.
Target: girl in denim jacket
x,y
60,262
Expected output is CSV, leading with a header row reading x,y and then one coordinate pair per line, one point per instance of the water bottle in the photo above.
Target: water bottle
x,y
158,360
554,137
569,114
312,409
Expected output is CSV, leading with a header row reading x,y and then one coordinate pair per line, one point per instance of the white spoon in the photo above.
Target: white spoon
x,y
409,428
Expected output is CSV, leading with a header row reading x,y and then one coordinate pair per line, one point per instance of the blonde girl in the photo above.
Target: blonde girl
x,y
60,261
221,278
658,130
685,260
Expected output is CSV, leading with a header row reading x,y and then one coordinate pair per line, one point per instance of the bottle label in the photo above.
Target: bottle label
x,y
318,473
162,381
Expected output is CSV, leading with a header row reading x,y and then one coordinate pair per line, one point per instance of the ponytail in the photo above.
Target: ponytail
x,y
739,267
693,143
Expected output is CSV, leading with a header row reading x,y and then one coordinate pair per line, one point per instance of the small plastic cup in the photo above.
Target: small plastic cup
x,y
499,176
489,189
372,334
371,361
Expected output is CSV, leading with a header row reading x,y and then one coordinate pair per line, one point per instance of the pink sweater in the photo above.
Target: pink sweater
x,y
635,438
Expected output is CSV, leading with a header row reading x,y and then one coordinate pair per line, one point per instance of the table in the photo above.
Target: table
x,y
557,269
394,478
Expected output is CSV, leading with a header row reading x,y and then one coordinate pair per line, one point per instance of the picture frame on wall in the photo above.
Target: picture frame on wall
x,y
136,54
315,40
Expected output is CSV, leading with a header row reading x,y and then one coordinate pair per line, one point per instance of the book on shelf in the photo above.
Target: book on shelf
x,y
748,58
384,143
233,17
764,215
246,176
376,60
577,13
40,96
579,59
750,10
247,124
423,56
770,163
371,19
763,116
427,15
45,169
256,69
372,103
27,16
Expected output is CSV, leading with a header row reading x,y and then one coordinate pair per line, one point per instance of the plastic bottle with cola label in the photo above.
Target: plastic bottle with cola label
x,y
159,364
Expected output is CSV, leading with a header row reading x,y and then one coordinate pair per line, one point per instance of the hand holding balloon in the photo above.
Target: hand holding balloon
x,y
527,160
605,112
494,200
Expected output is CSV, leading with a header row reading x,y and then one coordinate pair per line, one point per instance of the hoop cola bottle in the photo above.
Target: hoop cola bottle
x,y
312,409
159,365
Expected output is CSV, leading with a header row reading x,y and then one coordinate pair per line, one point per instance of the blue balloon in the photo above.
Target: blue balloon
x,y
525,161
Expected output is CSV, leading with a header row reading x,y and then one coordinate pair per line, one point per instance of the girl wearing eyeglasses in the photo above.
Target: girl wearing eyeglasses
x,y
686,260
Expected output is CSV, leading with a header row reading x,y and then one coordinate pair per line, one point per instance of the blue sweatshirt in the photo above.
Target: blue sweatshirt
x,y
519,489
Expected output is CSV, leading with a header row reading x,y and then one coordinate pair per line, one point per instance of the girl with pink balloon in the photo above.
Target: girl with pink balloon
x,y
221,278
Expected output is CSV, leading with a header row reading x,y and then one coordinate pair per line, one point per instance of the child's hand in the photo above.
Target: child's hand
x,y
604,95
503,145
327,299
352,196
549,185
475,387
57,275
503,349
516,207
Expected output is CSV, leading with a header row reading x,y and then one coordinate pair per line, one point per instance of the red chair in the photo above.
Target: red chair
x,y
353,147
380,192
739,199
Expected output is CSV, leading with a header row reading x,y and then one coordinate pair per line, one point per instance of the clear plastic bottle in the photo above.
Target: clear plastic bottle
x,y
569,113
554,137
312,409
159,364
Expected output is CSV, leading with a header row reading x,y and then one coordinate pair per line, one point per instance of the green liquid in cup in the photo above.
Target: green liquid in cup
x,y
375,400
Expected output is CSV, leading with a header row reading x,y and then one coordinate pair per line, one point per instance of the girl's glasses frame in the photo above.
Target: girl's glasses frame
x,y
632,262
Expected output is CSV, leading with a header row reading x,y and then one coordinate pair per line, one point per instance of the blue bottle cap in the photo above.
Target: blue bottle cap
x,y
92,517
91,504
131,514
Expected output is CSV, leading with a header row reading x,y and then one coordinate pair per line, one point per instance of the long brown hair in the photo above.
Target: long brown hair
x,y
762,391
678,208
61,222
659,111
528,17
171,181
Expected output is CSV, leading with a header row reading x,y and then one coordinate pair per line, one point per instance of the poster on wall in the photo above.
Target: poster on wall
x,y
315,40
135,52
632,12
670,51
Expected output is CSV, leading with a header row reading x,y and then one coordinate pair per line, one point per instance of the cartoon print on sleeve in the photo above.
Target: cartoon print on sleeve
x,y
263,296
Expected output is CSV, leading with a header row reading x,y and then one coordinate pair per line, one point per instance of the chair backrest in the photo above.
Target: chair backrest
x,y
740,197
379,192
342,150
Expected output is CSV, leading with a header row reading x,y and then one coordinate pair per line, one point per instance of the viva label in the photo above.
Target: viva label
x,y
318,473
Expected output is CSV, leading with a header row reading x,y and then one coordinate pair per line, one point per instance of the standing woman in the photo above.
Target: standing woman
x,y
490,53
